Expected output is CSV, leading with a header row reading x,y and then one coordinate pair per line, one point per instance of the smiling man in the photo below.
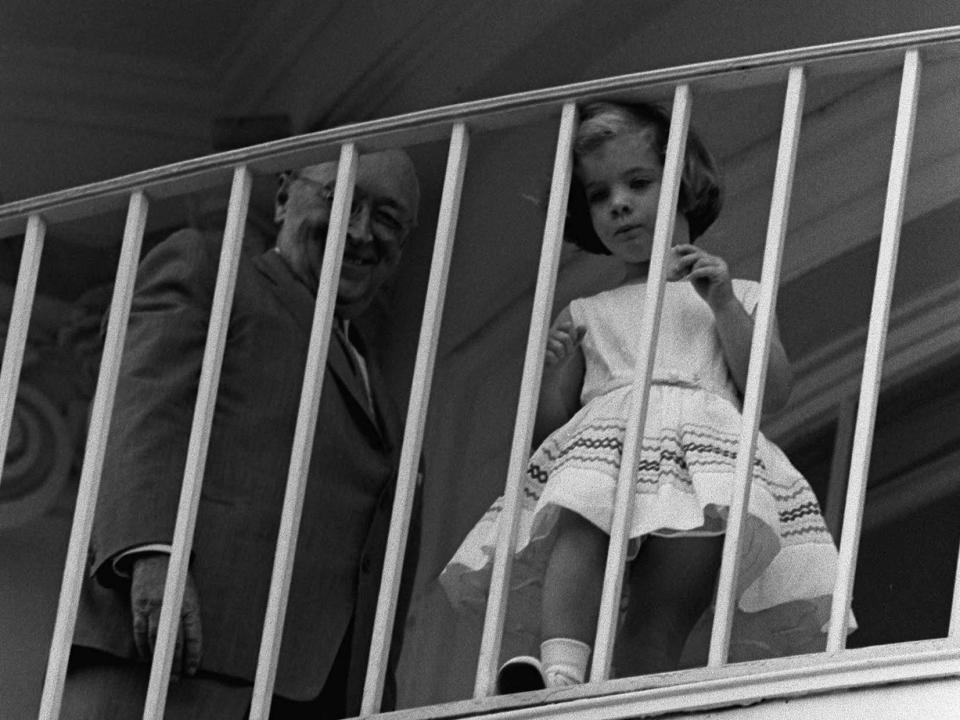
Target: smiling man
x,y
384,209
350,485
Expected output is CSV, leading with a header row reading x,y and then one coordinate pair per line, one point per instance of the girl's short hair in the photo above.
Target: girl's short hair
x,y
701,194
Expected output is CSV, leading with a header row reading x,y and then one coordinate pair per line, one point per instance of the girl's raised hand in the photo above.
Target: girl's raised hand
x,y
708,273
562,339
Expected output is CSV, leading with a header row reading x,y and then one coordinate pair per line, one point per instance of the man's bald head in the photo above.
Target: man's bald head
x,y
385,206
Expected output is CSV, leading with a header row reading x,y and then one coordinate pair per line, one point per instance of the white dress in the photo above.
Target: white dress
x,y
684,477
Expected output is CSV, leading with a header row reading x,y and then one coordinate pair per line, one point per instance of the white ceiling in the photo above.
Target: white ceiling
x,y
148,77
193,33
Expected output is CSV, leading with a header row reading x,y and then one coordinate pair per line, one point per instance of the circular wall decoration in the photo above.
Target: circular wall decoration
x,y
40,453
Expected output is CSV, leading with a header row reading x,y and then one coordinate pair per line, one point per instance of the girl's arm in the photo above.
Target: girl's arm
x,y
711,279
562,377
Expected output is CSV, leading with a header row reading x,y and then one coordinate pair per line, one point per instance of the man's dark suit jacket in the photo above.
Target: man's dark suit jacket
x,y
349,494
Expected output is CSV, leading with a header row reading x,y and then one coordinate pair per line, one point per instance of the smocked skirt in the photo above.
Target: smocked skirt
x,y
684,482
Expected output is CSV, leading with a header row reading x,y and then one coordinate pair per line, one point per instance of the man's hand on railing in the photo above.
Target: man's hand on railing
x,y
146,597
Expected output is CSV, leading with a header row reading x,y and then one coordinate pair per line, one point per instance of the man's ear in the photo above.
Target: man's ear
x,y
283,193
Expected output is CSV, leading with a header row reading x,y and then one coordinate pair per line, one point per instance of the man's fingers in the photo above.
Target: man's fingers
x,y
153,622
176,670
193,642
141,634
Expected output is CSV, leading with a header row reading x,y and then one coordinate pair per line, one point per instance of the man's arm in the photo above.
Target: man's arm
x,y
146,600
149,433
156,393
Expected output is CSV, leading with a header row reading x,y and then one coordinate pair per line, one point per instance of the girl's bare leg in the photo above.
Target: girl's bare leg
x,y
573,580
671,584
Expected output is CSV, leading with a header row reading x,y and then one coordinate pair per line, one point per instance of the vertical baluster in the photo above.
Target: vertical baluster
x,y
304,434
19,324
527,403
756,375
197,447
100,416
649,328
876,339
954,631
416,417
840,465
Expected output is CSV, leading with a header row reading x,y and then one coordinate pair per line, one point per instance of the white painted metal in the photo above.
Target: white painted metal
x,y
16,341
876,339
416,419
732,686
840,465
197,447
426,125
933,698
527,403
955,608
649,327
100,416
764,324
303,437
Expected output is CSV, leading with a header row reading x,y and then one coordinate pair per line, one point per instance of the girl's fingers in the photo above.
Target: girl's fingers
x,y
555,350
687,258
562,341
708,266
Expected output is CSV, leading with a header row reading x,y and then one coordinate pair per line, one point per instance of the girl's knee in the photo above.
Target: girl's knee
x,y
672,580
575,530
572,522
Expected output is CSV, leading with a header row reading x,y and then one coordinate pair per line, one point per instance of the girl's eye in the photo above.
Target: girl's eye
x,y
596,196
640,183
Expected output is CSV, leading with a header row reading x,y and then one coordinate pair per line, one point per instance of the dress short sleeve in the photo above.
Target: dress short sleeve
x,y
748,293
577,312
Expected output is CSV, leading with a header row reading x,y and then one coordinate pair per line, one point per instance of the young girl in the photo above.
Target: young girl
x,y
685,472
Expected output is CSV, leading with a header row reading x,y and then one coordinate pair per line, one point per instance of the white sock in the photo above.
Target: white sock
x,y
564,661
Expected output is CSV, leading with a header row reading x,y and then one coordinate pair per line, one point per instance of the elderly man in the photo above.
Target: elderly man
x,y
350,486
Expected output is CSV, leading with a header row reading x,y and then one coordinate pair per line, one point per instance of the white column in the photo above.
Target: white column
x,y
19,324
527,404
840,465
197,447
303,436
100,416
416,417
646,348
873,360
763,327
955,608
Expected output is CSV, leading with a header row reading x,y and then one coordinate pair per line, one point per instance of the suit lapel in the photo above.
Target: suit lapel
x,y
344,366
292,294
383,407
300,303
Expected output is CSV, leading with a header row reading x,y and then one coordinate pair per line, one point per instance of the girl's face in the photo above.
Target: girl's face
x,y
622,183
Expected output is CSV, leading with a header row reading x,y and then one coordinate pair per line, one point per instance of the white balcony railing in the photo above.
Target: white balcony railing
x,y
713,686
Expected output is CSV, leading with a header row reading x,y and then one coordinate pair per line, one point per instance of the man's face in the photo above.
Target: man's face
x,y
384,210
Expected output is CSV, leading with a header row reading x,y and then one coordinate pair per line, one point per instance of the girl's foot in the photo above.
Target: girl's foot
x,y
520,674
564,661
